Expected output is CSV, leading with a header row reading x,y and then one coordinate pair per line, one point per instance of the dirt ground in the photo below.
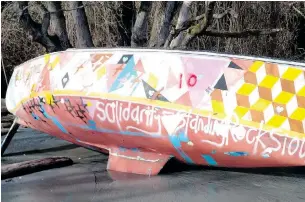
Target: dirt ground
x,y
88,179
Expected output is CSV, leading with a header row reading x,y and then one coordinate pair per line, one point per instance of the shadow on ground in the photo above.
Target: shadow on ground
x,y
174,166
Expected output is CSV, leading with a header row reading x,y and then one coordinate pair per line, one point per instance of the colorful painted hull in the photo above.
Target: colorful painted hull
x,y
147,106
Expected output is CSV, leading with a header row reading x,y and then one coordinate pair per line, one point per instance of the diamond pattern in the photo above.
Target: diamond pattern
x,y
254,90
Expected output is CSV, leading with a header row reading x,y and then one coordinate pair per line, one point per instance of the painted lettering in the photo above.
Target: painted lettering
x,y
191,81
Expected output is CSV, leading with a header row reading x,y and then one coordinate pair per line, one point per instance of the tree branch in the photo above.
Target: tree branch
x,y
175,37
297,10
187,24
201,27
242,34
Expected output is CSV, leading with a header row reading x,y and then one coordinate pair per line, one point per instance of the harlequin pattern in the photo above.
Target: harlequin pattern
x,y
270,93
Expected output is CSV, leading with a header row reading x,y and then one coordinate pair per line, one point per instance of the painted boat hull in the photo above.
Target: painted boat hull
x,y
147,106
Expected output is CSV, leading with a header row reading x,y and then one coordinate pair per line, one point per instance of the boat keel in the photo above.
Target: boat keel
x,y
136,161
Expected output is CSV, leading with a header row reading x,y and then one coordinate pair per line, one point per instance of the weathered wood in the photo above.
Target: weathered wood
x,y
27,167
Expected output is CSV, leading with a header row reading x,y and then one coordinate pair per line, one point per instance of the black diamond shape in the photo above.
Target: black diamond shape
x,y
65,80
125,59
149,90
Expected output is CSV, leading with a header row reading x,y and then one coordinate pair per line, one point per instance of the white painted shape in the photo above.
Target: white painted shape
x,y
276,89
268,113
292,105
171,122
99,86
254,96
205,103
247,116
229,101
299,82
156,66
261,73
139,90
282,68
285,125
237,85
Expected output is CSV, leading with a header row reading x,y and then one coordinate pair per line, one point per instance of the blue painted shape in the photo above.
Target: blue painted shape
x,y
183,137
35,116
209,159
236,154
92,124
199,76
123,149
127,72
175,141
54,119
265,155
177,145
135,149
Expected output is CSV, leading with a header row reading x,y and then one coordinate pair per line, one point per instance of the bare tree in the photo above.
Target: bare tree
x,y
127,17
58,22
161,30
171,36
38,32
200,25
84,38
140,30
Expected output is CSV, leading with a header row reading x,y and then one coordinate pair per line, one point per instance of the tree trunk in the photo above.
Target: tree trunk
x,y
300,34
184,15
38,32
125,26
202,25
140,32
272,24
158,39
58,23
84,38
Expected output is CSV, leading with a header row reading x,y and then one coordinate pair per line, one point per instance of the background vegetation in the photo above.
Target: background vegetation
x,y
270,29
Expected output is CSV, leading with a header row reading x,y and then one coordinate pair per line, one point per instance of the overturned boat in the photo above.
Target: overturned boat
x,y
147,106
